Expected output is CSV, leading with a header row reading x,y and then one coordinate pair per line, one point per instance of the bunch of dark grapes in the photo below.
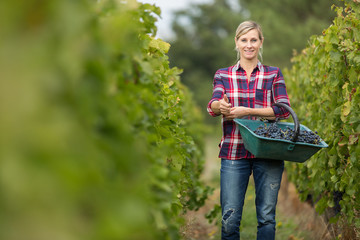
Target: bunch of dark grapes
x,y
337,198
273,131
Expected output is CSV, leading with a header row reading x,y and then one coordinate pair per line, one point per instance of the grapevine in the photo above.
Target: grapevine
x,y
325,79
104,142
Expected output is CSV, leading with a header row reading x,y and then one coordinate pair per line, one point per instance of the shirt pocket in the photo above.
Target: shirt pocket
x,y
262,98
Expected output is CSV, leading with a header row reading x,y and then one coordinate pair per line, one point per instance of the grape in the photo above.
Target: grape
x,y
338,196
273,131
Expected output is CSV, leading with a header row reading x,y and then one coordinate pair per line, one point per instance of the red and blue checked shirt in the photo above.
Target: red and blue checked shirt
x,y
266,86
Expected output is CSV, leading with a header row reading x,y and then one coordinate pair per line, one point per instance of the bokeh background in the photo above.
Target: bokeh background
x,y
104,132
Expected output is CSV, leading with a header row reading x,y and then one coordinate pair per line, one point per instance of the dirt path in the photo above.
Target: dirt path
x,y
290,208
303,213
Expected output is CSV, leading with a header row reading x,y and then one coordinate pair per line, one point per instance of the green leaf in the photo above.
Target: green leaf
x,y
353,139
350,191
345,110
159,45
334,178
336,56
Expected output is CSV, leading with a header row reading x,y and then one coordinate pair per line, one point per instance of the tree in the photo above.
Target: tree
x,y
204,42
288,24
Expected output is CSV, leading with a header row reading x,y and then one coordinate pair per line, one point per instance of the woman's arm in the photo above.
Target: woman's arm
x,y
280,95
213,106
239,112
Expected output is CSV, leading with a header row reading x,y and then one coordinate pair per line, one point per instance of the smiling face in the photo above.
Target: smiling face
x,y
248,45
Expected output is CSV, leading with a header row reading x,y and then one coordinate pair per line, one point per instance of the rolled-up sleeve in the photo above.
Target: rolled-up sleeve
x,y
280,95
218,93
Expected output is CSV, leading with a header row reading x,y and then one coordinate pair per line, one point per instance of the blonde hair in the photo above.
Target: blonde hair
x,y
244,28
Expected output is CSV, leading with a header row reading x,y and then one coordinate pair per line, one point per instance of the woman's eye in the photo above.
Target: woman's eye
x,y
243,40
253,40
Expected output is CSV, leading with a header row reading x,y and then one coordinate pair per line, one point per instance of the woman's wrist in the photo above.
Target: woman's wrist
x,y
215,106
249,111
261,112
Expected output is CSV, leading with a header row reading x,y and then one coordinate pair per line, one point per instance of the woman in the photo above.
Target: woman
x,y
247,90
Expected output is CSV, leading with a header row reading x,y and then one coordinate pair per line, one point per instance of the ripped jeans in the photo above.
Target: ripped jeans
x,y
234,181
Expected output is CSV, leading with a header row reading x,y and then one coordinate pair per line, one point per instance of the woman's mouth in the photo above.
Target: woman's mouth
x,y
249,51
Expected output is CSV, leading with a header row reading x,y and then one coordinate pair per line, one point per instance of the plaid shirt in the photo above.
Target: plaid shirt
x,y
266,86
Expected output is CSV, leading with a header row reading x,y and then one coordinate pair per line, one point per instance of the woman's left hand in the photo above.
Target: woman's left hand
x,y
237,112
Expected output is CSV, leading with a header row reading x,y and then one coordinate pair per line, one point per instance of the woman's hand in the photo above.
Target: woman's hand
x,y
225,106
238,112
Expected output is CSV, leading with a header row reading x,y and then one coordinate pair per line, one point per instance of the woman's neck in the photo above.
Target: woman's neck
x,y
248,64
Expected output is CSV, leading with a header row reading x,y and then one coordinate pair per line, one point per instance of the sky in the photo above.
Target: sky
x,y
167,8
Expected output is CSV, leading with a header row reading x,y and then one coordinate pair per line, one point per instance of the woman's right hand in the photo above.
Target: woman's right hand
x,y
225,106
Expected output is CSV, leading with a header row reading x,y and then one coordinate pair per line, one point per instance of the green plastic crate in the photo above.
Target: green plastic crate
x,y
270,148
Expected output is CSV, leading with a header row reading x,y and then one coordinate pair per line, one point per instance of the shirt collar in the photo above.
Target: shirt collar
x,y
259,66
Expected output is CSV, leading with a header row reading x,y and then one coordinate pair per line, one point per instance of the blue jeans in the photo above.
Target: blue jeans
x,y
233,184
